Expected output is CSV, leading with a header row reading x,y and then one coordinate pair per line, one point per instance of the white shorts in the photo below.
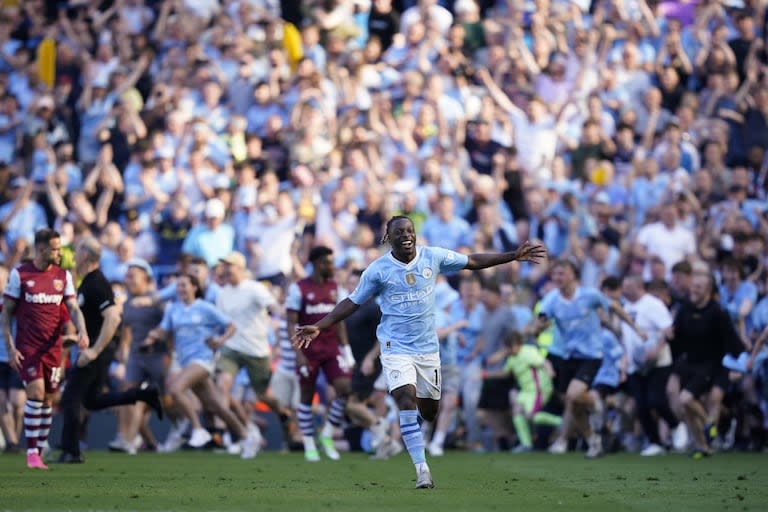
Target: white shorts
x,y
207,365
285,388
419,370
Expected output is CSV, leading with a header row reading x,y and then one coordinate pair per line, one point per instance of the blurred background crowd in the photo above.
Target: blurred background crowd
x,y
628,136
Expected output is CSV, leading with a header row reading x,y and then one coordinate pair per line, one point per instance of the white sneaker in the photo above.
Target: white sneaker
x,y
172,444
234,448
251,446
199,438
424,480
175,438
652,450
121,445
559,447
255,432
595,449
680,438
436,450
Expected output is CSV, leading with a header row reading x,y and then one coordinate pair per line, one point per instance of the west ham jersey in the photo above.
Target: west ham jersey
x,y
39,295
312,301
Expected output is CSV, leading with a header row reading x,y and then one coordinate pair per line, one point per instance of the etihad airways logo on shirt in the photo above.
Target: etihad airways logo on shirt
x,y
317,309
43,298
414,296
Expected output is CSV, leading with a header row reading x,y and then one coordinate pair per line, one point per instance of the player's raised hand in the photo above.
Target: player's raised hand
x,y
304,335
14,359
530,252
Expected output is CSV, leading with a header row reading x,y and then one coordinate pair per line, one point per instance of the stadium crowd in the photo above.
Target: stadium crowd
x,y
211,146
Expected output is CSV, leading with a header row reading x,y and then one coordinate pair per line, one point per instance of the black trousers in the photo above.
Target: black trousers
x,y
650,394
85,387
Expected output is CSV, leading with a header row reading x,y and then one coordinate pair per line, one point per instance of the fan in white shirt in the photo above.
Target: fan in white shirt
x,y
666,239
649,361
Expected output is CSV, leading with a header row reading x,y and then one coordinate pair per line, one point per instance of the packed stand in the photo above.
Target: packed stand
x,y
210,147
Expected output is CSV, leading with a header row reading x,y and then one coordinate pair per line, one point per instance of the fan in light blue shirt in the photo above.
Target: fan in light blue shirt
x,y
444,228
609,373
577,320
471,331
212,239
737,296
191,325
573,310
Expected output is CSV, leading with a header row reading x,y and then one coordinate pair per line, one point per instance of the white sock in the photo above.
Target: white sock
x,y
421,466
328,430
309,443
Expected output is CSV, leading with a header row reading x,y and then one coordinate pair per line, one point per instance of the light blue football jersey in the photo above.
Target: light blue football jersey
x,y
610,371
191,325
407,298
576,321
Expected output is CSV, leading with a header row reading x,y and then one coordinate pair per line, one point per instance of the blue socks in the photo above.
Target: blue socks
x,y
412,438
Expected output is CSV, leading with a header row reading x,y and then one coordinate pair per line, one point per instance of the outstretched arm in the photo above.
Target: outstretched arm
x,y
526,252
306,333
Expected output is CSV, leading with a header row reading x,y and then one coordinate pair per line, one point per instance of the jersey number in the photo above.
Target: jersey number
x,y
437,377
55,375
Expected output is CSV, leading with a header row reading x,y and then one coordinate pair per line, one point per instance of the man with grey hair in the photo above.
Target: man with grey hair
x,y
90,374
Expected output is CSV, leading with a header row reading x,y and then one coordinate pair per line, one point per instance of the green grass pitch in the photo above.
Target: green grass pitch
x,y
464,481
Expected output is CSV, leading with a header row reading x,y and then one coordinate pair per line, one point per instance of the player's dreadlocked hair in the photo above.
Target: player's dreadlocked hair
x,y
385,238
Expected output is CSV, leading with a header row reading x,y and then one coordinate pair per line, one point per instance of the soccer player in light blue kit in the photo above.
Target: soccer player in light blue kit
x,y
404,280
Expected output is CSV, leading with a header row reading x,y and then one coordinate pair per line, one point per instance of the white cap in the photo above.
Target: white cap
x,y
45,102
464,6
602,197
100,81
214,209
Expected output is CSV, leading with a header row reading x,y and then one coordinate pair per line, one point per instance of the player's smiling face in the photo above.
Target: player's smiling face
x,y
402,236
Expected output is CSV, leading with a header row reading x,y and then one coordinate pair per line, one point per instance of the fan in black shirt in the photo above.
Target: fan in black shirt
x,y
88,378
383,22
702,334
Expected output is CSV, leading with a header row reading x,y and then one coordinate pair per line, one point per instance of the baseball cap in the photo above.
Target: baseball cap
x,y
234,258
214,209
45,102
142,264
